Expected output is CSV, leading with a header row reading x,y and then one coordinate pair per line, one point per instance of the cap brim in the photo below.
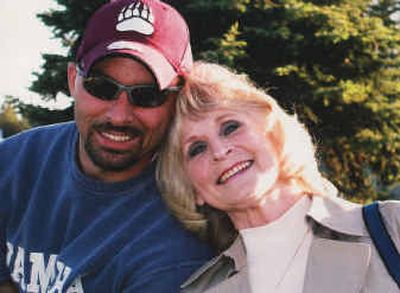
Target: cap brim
x,y
162,70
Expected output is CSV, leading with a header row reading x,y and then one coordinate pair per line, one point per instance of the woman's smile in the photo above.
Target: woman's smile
x,y
234,170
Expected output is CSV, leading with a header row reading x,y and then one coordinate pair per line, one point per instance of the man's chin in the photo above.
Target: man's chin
x,y
115,165
113,161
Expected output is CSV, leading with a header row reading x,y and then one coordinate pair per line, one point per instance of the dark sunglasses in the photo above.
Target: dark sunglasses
x,y
107,89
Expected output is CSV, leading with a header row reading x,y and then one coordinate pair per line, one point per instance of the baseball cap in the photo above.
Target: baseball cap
x,y
148,30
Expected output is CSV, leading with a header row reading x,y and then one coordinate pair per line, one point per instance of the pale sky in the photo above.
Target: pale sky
x,y
23,39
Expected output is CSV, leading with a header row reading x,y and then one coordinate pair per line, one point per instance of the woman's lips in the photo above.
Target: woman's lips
x,y
234,170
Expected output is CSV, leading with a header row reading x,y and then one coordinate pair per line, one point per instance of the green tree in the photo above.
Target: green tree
x,y
388,10
38,115
10,122
67,24
333,62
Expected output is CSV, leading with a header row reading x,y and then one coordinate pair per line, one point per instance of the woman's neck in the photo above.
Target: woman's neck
x,y
275,204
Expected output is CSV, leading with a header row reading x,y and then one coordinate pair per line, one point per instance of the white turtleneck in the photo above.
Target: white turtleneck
x,y
277,252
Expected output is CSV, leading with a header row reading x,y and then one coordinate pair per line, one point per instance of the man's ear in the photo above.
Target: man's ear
x,y
72,74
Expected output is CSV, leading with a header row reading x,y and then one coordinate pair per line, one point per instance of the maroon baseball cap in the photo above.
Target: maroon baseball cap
x,y
148,30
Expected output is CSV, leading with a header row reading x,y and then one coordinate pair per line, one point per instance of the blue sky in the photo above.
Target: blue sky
x,y
24,39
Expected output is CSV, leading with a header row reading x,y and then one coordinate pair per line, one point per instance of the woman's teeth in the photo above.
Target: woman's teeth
x,y
233,171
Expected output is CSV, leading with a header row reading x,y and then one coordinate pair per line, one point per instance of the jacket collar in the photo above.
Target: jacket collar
x,y
237,251
333,265
337,265
338,215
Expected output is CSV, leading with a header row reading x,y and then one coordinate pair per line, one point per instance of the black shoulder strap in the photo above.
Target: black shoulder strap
x,y
381,238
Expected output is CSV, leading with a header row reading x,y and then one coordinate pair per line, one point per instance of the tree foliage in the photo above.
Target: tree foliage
x,y
333,62
387,10
38,115
10,122
67,24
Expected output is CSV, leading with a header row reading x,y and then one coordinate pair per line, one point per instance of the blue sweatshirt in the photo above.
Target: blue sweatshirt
x,y
61,231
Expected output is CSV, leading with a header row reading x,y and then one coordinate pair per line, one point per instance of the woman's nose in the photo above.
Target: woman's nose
x,y
220,150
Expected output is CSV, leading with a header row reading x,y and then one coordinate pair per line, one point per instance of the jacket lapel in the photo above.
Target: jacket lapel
x,y
235,284
336,266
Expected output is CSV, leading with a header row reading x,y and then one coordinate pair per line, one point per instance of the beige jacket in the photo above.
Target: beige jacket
x,y
342,258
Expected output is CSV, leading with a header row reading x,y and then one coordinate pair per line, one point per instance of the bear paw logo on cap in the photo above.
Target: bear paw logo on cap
x,y
136,17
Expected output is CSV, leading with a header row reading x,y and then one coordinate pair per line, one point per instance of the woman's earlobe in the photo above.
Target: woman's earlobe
x,y
199,201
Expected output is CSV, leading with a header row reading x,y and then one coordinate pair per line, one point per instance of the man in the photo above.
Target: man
x,y
79,207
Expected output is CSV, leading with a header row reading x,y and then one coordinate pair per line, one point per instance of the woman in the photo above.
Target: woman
x,y
242,173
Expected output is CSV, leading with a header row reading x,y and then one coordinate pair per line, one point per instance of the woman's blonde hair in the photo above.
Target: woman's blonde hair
x,y
210,86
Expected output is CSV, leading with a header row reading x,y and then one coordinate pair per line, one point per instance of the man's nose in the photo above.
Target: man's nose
x,y
120,109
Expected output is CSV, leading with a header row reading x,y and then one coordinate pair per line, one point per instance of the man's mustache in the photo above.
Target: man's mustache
x,y
109,127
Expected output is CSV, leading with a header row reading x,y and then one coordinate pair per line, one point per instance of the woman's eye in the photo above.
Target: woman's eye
x,y
196,148
229,127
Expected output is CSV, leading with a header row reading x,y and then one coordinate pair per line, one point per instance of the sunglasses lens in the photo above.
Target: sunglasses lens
x,y
100,88
106,89
147,97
